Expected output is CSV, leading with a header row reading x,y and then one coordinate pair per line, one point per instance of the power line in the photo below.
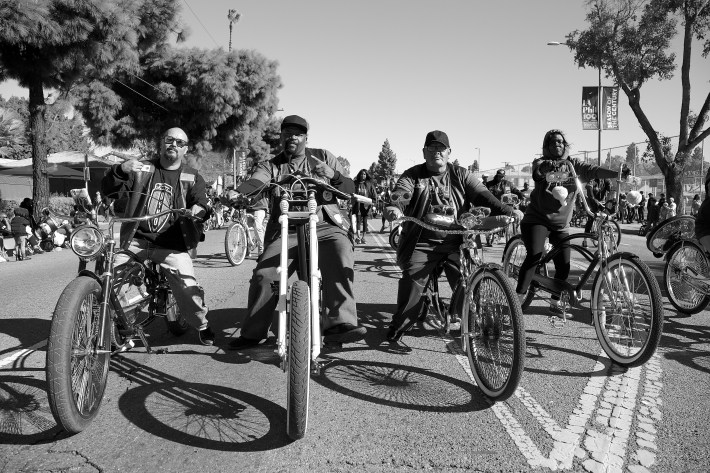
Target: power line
x,y
135,91
200,22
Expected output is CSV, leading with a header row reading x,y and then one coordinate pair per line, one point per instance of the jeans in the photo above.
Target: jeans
x,y
259,216
415,275
178,269
337,257
533,236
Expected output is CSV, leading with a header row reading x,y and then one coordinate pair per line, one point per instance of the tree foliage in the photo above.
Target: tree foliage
x,y
630,40
13,143
345,164
220,99
383,170
56,43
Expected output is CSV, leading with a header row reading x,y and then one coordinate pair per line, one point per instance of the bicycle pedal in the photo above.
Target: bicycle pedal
x,y
557,321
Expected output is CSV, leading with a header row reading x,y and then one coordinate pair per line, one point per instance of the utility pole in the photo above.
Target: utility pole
x,y
233,17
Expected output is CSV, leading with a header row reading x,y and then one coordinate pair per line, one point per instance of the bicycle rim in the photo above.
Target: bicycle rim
x,y
685,264
627,310
494,334
235,244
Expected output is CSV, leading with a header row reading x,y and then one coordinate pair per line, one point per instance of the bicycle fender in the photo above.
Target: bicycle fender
x,y
508,243
91,274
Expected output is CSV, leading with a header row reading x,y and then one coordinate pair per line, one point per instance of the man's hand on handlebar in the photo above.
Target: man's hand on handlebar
x,y
517,215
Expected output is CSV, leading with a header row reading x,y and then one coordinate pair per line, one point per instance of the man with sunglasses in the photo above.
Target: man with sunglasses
x,y
335,243
435,191
150,187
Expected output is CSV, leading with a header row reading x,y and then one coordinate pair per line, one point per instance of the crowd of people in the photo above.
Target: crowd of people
x,y
437,189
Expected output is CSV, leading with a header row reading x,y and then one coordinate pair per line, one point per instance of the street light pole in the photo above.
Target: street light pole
x,y
233,17
479,159
599,105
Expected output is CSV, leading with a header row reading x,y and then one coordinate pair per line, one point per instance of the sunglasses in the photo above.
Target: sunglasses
x,y
168,140
436,148
442,210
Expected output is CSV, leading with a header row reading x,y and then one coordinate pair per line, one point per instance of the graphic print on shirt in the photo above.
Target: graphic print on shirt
x,y
160,199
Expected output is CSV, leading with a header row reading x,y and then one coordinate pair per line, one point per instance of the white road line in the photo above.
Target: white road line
x,y
605,441
12,358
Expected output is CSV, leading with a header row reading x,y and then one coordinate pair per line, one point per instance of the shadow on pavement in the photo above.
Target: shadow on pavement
x,y
199,415
680,343
25,417
26,331
402,387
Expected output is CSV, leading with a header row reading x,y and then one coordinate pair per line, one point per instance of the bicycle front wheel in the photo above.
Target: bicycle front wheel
x,y
627,310
235,243
299,368
687,262
77,361
493,333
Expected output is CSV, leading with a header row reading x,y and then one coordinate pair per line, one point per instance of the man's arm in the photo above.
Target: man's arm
x,y
114,181
259,178
197,196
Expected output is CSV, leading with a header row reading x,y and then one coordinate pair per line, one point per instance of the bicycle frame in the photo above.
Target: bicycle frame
x,y
105,273
606,247
307,259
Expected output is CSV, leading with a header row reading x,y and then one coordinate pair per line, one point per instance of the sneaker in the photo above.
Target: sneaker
x,y
241,343
362,241
556,310
344,333
206,336
394,335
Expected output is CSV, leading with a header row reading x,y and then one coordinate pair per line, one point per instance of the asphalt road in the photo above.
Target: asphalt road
x,y
373,408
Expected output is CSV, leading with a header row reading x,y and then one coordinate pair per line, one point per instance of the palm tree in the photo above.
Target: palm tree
x,y
12,135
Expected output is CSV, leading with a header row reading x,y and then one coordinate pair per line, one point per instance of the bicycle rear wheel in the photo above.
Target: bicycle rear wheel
x,y
299,368
493,333
512,260
235,243
686,262
627,310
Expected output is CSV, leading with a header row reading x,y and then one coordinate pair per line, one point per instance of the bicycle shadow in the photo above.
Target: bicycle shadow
x,y
24,330
199,415
401,387
685,353
380,266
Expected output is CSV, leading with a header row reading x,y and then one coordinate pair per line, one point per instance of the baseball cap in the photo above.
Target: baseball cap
x,y
436,136
500,172
295,120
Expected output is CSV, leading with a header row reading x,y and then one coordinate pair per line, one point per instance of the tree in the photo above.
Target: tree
x,y
12,135
386,162
474,166
53,43
456,162
220,99
345,164
629,41
632,156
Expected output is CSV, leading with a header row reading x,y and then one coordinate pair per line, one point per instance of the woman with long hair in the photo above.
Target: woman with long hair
x,y
365,186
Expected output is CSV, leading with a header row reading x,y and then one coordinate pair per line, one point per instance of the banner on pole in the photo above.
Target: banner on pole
x,y
610,104
590,105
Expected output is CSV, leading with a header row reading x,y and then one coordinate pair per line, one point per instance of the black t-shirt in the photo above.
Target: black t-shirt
x,y
163,195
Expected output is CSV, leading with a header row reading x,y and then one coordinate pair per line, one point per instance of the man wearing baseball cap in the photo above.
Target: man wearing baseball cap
x,y
335,244
438,192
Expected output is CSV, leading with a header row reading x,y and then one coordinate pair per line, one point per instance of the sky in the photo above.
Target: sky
x,y
369,71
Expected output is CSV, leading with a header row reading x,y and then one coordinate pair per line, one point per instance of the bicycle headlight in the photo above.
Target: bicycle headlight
x,y
467,220
87,242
